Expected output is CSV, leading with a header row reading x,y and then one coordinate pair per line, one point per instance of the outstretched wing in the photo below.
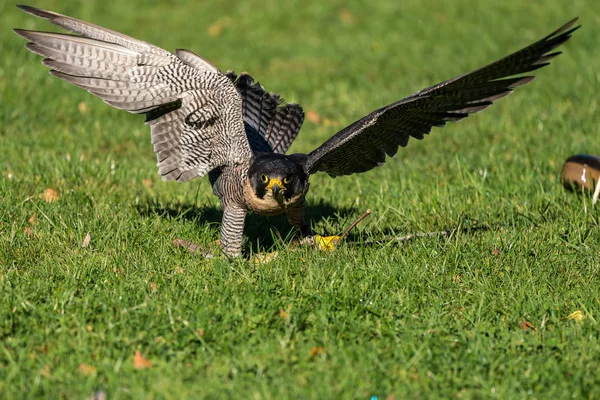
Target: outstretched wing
x,y
271,124
364,144
194,111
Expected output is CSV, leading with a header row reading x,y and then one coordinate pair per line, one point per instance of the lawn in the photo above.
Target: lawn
x,y
507,306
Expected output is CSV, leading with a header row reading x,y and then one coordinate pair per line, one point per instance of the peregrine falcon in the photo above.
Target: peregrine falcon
x,y
203,121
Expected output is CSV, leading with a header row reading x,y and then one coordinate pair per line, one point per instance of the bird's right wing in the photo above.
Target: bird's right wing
x,y
271,124
365,144
194,111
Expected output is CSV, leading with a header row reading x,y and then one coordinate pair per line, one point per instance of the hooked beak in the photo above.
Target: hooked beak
x,y
276,188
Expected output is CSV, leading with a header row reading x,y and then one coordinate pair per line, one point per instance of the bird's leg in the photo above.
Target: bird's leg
x,y
232,229
295,216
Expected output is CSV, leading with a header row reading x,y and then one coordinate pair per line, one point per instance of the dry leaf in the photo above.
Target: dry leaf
x,y
457,279
496,251
50,195
147,182
86,369
45,371
28,231
153,286
264,258
89,328
525,325
313,116
82,107
346,16
139,362
576,316
32,218
316,351
201,332
192,247
179,270
86,241
283,314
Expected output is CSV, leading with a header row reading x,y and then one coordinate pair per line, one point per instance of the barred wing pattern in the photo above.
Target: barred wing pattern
x,y
194,111
271,124
364,144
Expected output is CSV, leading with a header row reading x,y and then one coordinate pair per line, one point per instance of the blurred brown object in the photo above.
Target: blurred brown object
x,y
581,171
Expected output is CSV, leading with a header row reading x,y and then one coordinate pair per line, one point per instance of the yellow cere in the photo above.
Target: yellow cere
x,y
275,181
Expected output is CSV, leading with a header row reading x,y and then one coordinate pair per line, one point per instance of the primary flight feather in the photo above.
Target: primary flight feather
x,y
203,121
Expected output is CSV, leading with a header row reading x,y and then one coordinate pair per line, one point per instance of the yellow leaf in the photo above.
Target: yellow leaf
x,y
139,362
217,27
326,242
82,107
576,316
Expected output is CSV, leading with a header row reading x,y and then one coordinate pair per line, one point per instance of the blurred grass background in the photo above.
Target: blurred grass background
x,y
429,318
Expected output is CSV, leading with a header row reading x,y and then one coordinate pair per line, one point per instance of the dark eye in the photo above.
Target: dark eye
x,y
264,178
287,180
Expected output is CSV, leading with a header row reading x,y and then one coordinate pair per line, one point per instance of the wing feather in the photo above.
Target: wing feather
x,y
194,111
364,144
271,124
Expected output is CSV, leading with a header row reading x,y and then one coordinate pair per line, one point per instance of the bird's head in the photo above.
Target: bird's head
x,y
277,176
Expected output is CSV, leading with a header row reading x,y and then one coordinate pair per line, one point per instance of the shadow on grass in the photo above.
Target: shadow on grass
x,y
259,230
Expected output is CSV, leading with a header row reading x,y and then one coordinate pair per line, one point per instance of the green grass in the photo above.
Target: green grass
x,y
429,318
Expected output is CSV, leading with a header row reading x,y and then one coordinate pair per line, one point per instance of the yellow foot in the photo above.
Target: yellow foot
x,y
326,242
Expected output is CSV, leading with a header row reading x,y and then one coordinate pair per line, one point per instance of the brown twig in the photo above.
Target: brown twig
x,y
405,238
353,225
192,247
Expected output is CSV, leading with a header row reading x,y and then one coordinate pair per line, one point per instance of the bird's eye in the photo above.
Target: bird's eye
x,y
287,180
264,178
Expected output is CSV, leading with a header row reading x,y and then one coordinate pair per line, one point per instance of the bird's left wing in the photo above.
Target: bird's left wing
x,y
364,144
194,111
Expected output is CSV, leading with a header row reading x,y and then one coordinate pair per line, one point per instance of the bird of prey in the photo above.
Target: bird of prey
x,y
203,121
